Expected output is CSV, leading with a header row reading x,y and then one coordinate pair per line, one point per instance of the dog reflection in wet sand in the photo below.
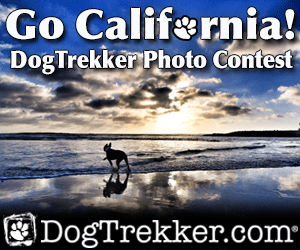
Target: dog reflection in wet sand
x,y
118,155
115,187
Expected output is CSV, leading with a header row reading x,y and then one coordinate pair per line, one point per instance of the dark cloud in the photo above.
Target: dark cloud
x,y
102,103
161,77
170,78
220,108
18,117
173,78
226,110
129,119
15,89
69,91
190,93
148,95
212,115
16,93
96,97
216,105
236,110
227,96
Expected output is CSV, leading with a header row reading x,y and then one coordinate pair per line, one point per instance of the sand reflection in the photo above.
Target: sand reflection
x,y
156,193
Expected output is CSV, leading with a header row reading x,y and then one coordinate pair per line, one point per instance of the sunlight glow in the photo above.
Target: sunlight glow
x,y
171,123
148,103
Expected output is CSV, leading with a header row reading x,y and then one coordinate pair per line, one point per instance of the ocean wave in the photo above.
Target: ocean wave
x,y
34,173
198,151
151,160
293,164
62,169
103,137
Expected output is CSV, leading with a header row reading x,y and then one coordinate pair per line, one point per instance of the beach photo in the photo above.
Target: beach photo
x,y
148,125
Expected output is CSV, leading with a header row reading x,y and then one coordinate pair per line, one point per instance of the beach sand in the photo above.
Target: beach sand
x,y
162,194
244,196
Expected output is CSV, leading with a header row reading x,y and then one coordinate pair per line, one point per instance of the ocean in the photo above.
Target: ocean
x,y
26,156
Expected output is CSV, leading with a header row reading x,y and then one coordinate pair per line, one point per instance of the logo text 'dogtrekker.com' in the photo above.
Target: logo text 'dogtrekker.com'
x,y
21,230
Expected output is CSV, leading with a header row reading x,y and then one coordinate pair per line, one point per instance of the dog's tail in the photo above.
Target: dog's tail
x,y
105,158
126,160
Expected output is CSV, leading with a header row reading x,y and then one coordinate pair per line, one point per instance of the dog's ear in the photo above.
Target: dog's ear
x,y
109,144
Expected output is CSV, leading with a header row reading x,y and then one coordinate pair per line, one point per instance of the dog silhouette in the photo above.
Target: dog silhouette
x,y
118,155
115,187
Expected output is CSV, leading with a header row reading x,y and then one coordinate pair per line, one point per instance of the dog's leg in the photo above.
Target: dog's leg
x,y
118,163
118,179
110,178
113,169
126,160
126,180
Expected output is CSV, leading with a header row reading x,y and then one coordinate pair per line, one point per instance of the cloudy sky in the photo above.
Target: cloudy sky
x,y
147,100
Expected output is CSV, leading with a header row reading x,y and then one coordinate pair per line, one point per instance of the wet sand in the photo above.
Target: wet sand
x,y
232,194
268,196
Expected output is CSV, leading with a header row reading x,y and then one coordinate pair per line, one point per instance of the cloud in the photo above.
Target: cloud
x,y
5,46
128,118
148,95
4,12
208,115
224,110
97,102
68,91
224,105
272,117
204,43
9,116
260,109
292,114
209,80
289,94
4,60
235,110
101,103
112,100
18,92
184,96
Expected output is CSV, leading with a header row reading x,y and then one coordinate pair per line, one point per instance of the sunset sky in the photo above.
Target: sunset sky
x,y
148,100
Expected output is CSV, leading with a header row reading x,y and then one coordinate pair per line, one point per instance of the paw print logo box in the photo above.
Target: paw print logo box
x,y
20,229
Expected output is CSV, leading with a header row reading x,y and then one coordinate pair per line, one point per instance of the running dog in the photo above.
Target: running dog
x,y
118,155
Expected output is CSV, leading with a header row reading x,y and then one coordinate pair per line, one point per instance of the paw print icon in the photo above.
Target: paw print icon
x,y
185,28
20,229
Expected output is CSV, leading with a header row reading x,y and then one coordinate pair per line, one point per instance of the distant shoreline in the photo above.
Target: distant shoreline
x,y
267,133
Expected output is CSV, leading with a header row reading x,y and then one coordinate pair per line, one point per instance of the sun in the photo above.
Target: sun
x,y
170,123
